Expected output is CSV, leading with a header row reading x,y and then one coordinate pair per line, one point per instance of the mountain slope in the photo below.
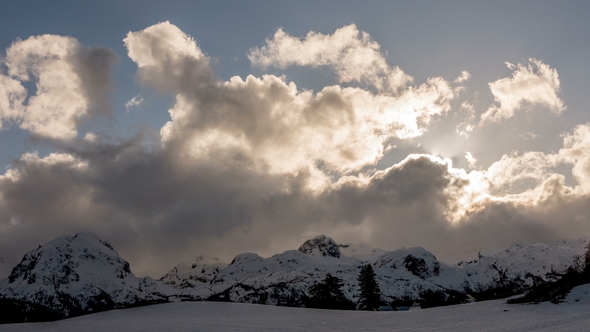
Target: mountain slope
x,y
193,278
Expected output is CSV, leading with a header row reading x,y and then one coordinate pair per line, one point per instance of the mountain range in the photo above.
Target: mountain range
x,y
74,275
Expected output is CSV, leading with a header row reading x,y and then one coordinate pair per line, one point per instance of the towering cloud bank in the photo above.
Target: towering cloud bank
x,y
258,164
270,122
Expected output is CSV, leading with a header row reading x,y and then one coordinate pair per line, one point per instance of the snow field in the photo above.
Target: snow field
x,y
217,316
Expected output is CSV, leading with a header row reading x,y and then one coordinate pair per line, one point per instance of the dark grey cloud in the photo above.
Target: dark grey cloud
x,y
156,210
94,66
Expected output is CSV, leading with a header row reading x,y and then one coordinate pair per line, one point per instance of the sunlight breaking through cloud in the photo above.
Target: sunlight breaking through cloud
x,y
262,160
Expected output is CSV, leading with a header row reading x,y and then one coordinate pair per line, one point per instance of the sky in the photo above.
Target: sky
x,y
180,129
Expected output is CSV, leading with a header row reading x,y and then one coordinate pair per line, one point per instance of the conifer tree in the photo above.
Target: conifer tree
x,y
369,291
328,295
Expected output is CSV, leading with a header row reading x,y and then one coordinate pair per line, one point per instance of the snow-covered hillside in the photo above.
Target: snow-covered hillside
x,y
72,275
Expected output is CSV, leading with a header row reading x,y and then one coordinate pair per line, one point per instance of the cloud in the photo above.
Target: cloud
x,y
532,84
12,95
514,172
156,206
465,76
257,164
575,151
529,136
72,82
352,54
470,159
270,123
91,137
465,128
134,102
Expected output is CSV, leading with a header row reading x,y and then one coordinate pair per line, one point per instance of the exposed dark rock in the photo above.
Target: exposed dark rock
x,y
321,244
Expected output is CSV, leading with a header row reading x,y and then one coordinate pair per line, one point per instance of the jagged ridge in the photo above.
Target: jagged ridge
x,y
284,279
75,275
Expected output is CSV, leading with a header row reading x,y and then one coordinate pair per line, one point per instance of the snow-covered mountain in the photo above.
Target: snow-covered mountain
x,y
284,279
321,246
79,274
73,275
532,263
193,278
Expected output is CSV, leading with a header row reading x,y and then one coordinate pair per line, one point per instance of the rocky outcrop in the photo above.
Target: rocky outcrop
x,y
320,245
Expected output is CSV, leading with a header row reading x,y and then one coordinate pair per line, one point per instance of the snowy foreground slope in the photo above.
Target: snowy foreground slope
x,y
210,316
284,279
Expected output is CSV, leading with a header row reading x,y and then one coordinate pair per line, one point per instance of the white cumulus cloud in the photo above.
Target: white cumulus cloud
x,y
272,123
534,83
352,53
71,83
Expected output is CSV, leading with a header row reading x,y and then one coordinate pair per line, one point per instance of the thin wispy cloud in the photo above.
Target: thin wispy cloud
x,y
134,102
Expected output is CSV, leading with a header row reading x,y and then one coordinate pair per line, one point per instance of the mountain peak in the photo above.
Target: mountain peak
x,y
76,274
320,245
193,274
